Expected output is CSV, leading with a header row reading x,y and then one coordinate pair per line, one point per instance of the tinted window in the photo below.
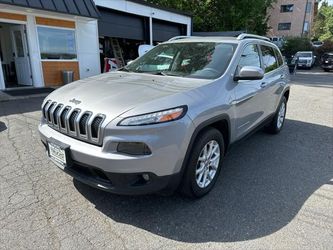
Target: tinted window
x,y
287,8
207,60
279,57
269,59
308,7
250,57
284,26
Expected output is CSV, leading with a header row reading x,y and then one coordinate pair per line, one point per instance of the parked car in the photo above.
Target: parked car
x,y
327,61
138,131
304,59
317,44
278,41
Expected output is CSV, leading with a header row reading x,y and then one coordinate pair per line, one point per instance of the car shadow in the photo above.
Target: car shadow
x,y
3,126
263,185
20,106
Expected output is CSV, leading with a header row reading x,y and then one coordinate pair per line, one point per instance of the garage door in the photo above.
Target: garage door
x,y
121,25
163,31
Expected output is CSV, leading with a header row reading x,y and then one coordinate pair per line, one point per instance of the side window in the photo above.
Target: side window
x,y
279,57
269,59
250,57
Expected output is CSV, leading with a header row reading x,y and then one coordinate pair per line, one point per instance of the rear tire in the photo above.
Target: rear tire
x,y
204,164
278,121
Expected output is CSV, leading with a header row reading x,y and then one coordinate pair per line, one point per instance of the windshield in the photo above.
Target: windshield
x,y
328,56
304,54
207,60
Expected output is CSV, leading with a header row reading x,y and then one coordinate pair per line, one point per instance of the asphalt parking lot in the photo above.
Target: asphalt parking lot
x,y
274,192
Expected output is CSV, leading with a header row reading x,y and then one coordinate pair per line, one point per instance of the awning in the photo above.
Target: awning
x,y
84,8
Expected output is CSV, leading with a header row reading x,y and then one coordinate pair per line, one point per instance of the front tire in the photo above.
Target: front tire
x,y
204,164
278,121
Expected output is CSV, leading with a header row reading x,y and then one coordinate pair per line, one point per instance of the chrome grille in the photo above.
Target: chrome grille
x,y
82,125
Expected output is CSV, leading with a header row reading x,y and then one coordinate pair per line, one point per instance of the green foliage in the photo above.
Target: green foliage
x,y
295,44
323,27
224,15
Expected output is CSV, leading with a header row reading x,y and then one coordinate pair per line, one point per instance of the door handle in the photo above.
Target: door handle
x,y
283,76
263,84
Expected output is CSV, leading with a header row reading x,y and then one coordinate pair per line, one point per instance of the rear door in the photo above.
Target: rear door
x,y
249,101
274,77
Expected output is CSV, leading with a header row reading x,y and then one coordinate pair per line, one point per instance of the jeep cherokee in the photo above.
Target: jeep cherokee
x,y
167,119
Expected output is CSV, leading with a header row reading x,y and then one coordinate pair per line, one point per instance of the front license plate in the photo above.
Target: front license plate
x,y
57,154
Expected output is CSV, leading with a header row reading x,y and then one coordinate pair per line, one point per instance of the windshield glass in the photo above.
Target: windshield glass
x,y
304,54
207,60
328,56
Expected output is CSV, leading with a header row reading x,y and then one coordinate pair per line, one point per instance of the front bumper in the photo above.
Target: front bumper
x,y
304,65
327,66
106,169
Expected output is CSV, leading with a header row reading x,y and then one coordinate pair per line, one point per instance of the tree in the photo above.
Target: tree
x,y
294,44
224,15
323,27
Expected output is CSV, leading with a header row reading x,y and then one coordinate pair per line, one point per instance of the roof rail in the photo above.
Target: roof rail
x,y
178,38
244,36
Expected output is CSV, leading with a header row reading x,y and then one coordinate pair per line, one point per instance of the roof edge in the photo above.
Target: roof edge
x,y
142,2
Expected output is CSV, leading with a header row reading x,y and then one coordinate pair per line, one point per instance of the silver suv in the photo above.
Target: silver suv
x,y
166,120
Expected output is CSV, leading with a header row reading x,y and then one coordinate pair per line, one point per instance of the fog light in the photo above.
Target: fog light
x,y
145,177
133,148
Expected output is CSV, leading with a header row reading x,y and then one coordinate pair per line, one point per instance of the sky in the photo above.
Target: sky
x,y
330,2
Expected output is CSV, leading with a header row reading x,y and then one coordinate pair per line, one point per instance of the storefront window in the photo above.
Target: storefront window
x,y
57,43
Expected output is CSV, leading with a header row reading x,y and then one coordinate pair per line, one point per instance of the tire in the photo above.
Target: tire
x,y
209,138
278,120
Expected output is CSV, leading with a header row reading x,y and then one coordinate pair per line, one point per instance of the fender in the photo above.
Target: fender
x,y
175,182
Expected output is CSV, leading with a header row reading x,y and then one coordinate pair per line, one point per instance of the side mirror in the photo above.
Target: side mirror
x,y
250,73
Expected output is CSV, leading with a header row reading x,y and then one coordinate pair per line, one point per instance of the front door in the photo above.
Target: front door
x,y
249,95
21,56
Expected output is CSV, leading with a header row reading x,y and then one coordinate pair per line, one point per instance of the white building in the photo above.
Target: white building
x,y
41,39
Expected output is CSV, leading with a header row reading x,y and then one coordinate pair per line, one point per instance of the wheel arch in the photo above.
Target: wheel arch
x,y
286,93
221,123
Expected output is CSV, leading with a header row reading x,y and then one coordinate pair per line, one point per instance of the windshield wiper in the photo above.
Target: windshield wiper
x,y
166,73
124,69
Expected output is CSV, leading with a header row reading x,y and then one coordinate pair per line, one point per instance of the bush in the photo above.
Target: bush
x,y
294,44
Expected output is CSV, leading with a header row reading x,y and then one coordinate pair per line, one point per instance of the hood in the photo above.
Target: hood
x,y
117,92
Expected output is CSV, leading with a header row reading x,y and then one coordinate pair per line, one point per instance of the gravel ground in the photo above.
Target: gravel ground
x,y
274,192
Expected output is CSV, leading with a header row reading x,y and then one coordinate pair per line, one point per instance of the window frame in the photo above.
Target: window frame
x,y
243,49
308,8
286,23
262,58
285,5
58,28
277,55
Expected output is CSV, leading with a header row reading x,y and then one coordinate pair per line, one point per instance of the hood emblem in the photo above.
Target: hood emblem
x,y
75,101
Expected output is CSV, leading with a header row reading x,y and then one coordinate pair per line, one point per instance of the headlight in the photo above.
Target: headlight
x,y
154,118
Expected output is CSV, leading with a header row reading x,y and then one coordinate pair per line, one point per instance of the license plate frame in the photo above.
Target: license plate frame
x,y
59,153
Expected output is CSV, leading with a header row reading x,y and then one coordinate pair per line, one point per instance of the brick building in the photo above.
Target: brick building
x,y
292,17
